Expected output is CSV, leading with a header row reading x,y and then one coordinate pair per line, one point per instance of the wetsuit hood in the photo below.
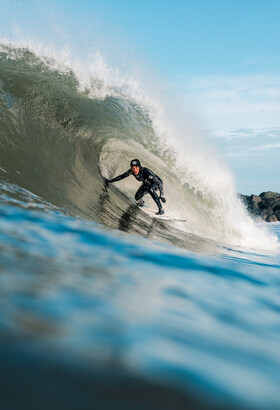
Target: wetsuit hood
x,y
135,163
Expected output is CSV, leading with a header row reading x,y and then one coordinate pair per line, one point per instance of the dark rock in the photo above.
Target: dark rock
x,y
272,219
255,198
276,207
266,205
244,198
269,195
270,201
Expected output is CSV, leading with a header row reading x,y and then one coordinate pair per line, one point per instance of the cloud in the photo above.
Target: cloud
x,y
265,147
245,133
245,101
249,142
258,60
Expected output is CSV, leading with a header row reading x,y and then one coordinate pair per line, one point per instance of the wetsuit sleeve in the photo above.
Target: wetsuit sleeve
x,y
120,177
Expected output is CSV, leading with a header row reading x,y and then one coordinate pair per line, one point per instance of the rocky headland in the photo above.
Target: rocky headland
x,y
265,206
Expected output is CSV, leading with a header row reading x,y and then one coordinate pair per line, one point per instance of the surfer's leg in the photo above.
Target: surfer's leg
x,y
143,190
160,188
154,195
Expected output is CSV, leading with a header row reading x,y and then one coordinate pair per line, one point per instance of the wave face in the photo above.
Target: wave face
x,y
58,137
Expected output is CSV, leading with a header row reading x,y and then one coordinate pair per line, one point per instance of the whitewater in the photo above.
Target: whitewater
x,y
108,305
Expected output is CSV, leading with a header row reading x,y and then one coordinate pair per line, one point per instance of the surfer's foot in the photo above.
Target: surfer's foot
x,y
141,203
161,212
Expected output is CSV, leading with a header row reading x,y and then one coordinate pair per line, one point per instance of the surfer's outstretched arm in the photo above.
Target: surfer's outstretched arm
x,y
119,177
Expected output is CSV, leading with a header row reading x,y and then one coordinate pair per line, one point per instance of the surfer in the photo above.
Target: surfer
x,y
150,184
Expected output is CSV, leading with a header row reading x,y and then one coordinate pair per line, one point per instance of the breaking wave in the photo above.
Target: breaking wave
x,y
61,132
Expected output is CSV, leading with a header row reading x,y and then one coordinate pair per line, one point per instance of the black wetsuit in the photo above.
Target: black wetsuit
x,y
150,184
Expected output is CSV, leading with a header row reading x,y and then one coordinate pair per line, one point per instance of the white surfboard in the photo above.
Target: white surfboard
x,y
152,213
164,217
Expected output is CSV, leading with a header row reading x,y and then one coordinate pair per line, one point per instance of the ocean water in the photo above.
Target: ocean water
x,y
100,305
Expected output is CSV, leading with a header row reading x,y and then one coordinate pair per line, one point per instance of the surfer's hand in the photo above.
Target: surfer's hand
x,y
106,182
163,200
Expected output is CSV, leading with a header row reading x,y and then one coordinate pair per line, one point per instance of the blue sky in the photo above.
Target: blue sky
x,y
204,36
224,55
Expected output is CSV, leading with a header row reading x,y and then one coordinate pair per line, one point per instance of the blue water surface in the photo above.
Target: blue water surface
x,y
209,324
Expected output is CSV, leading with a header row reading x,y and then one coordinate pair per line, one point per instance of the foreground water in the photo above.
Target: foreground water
x,y
95,318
